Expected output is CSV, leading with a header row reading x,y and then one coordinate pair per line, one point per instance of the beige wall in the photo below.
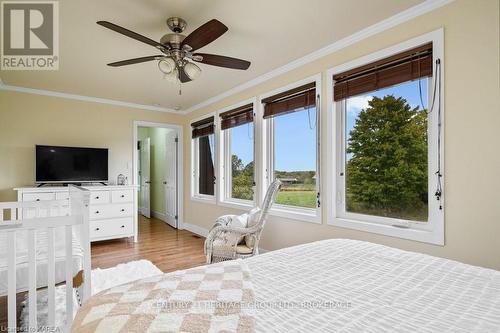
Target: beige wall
x,y
472,123
27,119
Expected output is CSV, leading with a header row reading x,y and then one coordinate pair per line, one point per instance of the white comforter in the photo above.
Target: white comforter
x,y
371,288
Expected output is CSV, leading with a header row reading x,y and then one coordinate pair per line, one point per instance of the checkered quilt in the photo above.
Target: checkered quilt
x,y
203,299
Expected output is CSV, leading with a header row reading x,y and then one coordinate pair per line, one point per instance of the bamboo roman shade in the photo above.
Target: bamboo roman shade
x,y
237,117
203,127
405,66
290,101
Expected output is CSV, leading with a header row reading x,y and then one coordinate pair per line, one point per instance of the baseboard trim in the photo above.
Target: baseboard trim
x,y
195,229
159,216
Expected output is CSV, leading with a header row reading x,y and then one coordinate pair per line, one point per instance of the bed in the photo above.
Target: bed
x,y
333,285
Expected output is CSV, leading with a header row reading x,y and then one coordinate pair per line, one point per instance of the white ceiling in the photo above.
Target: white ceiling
x,y
267,33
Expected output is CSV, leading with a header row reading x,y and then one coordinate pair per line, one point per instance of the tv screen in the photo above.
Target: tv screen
x,y
70,164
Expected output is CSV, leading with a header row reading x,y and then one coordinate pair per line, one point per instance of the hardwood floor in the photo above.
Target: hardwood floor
x,y
169,249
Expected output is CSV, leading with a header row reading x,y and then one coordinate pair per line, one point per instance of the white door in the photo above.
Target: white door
x,y
145,177
171,178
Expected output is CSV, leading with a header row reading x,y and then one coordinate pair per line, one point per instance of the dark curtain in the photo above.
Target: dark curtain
x,y
206,167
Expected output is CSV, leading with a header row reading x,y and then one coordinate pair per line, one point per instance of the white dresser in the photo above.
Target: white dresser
x,y
112,210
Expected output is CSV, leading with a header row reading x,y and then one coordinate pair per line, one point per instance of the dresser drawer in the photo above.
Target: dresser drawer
x,y
42,196
99,197
111,228
122,196
98,212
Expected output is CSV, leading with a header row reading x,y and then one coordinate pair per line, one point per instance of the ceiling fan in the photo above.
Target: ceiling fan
x,y
177,60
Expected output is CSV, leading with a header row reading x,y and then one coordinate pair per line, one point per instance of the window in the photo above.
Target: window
x,y
388,150
238,146
385,153
204,157
293,140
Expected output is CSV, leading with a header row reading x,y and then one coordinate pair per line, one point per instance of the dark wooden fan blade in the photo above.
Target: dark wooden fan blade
x,y
223,61
205,34
130,34
183,76
133,61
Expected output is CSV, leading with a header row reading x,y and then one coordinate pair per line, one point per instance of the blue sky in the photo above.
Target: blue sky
x,y
295,141
408,90
242,142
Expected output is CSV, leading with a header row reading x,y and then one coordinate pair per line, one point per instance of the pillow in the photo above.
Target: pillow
x,y
239,221
253,219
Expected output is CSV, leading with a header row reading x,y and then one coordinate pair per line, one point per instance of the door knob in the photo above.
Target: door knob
x,y
164,183
147,182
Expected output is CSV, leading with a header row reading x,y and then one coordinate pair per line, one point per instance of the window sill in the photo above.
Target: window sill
x,y
237,204
203,199
298,214
435,237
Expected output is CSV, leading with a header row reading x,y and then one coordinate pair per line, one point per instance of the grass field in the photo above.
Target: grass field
x,y
297,198
418,213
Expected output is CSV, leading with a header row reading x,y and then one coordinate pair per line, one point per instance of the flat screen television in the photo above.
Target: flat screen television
x,y
54,164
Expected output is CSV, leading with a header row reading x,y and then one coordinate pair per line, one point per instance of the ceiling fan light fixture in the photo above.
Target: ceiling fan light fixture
x,y
172,77
192,71
166,65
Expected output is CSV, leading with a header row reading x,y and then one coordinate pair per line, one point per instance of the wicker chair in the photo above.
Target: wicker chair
x,y
222,241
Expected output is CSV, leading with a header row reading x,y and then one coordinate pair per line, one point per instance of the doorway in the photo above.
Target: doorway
x,y
158,172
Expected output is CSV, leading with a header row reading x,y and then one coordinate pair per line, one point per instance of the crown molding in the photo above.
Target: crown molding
x,y
6,87
402,17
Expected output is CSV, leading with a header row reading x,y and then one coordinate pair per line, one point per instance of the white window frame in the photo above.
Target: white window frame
x,y
267,128
195,195
431,231
224,171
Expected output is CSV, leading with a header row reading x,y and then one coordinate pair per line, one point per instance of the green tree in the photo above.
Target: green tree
x,y
387,169
236,164
242,177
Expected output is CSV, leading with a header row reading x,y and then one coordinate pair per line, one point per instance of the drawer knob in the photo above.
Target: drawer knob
x,y
97,212
122,210
97,198
123,226
122,196
96,229
37,199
